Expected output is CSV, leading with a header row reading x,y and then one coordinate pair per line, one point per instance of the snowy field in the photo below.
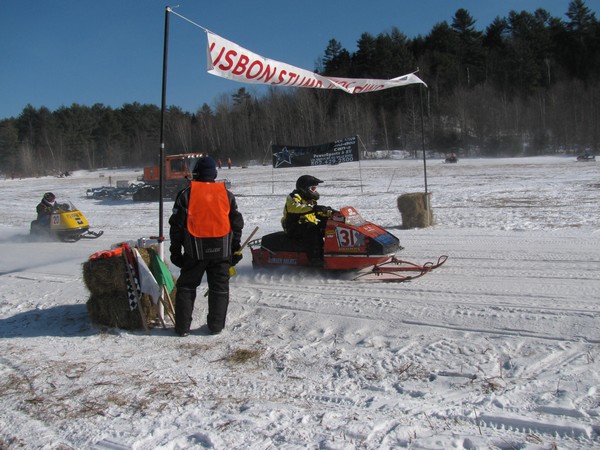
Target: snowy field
x,y
497,349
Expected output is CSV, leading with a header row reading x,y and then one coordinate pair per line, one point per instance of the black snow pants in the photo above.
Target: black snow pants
x,y
312,237
217,274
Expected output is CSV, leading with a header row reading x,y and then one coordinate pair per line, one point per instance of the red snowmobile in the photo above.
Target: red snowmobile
x,y
351,244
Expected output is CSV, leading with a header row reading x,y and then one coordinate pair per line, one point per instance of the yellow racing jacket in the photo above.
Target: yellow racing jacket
x,y
299,211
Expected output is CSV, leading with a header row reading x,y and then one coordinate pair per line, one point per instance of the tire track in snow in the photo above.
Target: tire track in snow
x,y
504,313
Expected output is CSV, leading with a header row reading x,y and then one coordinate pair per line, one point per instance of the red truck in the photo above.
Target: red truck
x,y
178,173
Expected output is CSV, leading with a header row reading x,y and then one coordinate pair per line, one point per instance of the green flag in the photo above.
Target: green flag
x,y
161,272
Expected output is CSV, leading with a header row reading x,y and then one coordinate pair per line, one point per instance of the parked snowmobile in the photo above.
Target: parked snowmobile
x,y
586,157
66,223
351,244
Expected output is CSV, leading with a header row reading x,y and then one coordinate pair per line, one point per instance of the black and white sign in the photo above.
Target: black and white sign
x,y
340,151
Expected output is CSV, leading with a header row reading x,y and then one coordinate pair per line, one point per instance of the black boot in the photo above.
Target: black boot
x,y
218,303
184,307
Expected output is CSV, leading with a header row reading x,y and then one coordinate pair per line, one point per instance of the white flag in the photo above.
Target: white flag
x,y
148,284
228,60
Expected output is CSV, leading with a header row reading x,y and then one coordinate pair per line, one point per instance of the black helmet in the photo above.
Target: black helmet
x,y
49,197
205,169
307,186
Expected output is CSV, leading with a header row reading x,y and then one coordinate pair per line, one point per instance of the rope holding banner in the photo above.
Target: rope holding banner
x,y
187,20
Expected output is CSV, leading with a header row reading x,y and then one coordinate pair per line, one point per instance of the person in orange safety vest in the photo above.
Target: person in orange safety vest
x,y
205,232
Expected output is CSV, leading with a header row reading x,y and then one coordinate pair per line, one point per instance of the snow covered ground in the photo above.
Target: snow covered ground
x,y
499,348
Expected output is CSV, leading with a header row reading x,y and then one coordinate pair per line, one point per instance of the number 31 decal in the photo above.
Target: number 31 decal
x,y
348,238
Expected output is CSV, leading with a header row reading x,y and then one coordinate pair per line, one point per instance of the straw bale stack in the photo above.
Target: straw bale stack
x,y
416,210
108,304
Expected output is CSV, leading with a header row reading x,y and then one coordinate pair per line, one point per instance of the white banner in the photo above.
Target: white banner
x,y
228,60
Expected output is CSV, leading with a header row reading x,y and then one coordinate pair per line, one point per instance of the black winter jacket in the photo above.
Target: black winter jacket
x,y
45,208
203,248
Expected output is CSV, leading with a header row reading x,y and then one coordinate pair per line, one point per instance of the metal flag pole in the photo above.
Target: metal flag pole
x,y
359,165
427,203
161,236
423,139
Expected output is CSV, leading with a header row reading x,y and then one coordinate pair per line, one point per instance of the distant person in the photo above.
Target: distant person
x,y
206,228
229,163
219,163
304,220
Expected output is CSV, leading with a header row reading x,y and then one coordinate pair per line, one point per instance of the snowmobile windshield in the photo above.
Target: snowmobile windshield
x,y
65,205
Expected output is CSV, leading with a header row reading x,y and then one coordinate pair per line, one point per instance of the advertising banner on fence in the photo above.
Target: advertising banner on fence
x,y
340,151
228,60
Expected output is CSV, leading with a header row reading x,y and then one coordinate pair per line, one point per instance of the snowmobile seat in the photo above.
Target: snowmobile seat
x,y
279,241
40,225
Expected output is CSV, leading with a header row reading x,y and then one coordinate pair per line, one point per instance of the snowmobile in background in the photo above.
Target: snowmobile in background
x,y
586,157
66,224
451,158
351,244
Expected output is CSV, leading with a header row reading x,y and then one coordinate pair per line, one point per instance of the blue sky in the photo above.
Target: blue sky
x,y
58,52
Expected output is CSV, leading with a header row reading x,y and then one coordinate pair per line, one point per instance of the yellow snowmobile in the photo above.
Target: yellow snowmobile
x,y
66,223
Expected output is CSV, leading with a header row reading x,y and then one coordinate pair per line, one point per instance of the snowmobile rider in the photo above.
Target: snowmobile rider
x,y
205,232
304,220
46,208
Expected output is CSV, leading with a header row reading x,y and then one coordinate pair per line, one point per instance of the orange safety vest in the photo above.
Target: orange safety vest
x,y
107,253
208,210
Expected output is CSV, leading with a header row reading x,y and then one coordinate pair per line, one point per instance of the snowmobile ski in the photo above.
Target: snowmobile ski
x,y
397,270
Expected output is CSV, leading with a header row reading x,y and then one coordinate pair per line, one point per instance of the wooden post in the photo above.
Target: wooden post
x,y
168,304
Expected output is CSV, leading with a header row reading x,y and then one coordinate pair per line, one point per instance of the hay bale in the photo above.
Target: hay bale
x,y
145,253
108,304
112,309
414,209
104,275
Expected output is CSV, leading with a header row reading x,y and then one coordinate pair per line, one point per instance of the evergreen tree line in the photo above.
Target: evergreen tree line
x,y
526,85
